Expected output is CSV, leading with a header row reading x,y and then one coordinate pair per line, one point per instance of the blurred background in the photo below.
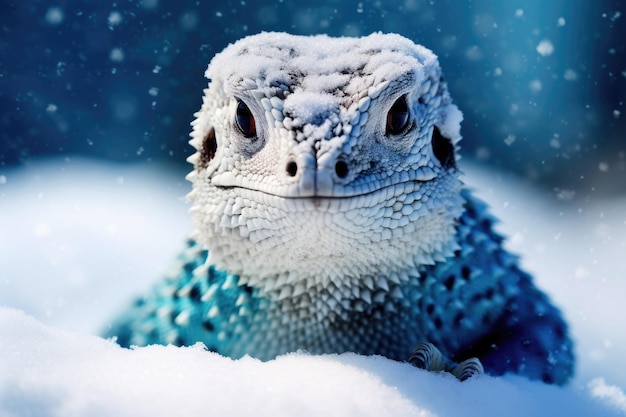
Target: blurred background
x,y
542,84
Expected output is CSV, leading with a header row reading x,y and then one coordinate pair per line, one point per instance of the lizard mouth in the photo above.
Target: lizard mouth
x,y
347,194
401,182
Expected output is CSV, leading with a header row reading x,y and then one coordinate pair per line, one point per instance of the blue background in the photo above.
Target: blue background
x,y
121,80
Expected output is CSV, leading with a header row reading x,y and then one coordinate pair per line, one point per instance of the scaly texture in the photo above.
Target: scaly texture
x,y
329,217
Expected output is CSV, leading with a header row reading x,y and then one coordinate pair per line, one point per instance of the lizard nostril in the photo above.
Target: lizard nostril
x,y
341,169
292,168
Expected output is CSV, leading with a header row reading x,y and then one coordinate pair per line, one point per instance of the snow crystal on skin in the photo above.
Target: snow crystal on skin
x,y
306,106
326,82
327,58
451,128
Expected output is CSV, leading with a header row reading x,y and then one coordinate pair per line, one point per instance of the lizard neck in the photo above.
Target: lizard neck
x,y
325,255
426,302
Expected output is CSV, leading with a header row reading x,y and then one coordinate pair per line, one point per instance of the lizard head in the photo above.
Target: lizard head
x,y
325,164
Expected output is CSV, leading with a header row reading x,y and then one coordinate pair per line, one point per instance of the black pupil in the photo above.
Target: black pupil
x,y
398,116
245,120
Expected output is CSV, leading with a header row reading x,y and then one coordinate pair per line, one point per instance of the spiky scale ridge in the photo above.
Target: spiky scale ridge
x,y
330,229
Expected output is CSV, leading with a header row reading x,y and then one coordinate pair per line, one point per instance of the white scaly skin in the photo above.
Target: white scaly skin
x,y
326,191
298,235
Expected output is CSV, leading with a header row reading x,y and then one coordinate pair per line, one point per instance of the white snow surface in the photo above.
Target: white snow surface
x,y
79,238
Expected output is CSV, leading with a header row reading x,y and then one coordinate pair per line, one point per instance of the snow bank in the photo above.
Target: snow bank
x,y
47,371
78,239
575,249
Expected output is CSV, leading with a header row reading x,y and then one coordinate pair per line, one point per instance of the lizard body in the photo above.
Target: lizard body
x,y
329,217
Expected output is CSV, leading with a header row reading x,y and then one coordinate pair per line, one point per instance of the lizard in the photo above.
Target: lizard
x,y
330,216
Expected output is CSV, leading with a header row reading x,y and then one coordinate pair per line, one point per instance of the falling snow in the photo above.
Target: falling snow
x,y
114,19
116,55
535,86
570,75
545,48
54,16
509,140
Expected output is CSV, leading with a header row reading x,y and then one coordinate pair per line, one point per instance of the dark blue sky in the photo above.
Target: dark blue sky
x,y
542,84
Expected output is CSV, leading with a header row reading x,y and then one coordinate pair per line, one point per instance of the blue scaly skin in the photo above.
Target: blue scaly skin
x,y
526,335
326,190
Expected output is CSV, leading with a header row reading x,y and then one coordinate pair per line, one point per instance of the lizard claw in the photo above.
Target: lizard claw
x,y
427,356
467,369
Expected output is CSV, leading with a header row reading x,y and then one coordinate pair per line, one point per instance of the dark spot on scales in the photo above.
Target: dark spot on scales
x,y
209,147
443,149
449,282
465,273
458,318
430,308
341,169
194,294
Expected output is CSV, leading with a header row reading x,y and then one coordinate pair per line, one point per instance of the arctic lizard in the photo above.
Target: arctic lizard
x,y
330,217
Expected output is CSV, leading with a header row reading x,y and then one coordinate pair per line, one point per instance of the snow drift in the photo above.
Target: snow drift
x,y
78,239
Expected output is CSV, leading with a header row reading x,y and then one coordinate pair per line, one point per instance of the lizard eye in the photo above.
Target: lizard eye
x,y
245,120
398,117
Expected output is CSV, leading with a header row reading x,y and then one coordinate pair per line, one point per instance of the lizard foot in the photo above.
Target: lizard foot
x,y
467,369
427,356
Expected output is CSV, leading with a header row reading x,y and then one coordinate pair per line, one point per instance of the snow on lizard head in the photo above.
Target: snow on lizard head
x,y
325,164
